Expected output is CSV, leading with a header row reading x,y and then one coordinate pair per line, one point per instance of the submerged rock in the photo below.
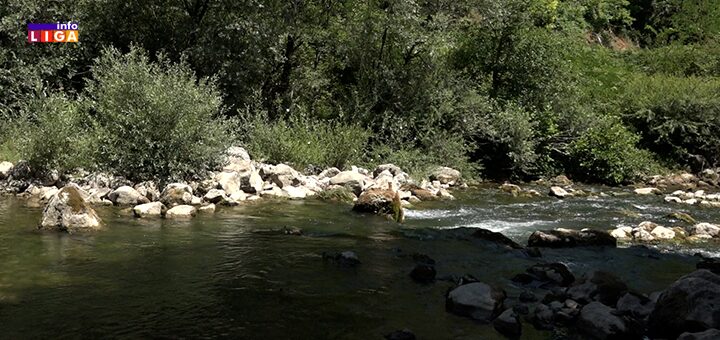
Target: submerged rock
x,y
68,211
566,238
476,300
423,273
688,305
346,259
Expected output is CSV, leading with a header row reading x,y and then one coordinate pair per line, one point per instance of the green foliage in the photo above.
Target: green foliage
x,y
678,117
52,133
607,153
680,60
340,194
305,143
154,119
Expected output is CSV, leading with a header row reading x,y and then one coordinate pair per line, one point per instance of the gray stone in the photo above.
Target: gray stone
x,y
476,300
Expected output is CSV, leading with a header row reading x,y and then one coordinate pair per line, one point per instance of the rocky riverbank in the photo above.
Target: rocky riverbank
x,y
385,190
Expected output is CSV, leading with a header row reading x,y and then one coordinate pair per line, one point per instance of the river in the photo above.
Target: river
x,y
235,274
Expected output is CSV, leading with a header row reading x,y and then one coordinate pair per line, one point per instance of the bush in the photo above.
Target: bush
x,y
680,60
155,120
304,142
607,153
678,118
51,133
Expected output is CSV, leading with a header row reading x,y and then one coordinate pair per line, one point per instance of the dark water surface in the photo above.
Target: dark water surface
x,y
235,275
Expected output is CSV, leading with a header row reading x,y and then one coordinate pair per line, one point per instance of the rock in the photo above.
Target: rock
x,y
68,211
423,273
647,191
215,196
393,169
274,192
566,238
353,180
527,296
688,305
476,300
181,211
294,192
446,175
422,194
561,181
599,322
149,209
511,189
543,317
672,199
210,208
642,235
681,216
236,153
126,195
495,237
329,173
229,182
558,192
508,324
404,334
546,275
710,334
648,226
445,195
251,182
598,286
380,202
635,305
663,233
705,230
176,193
5,169
622,233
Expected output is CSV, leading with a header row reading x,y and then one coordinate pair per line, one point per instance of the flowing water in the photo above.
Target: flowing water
x,y
234,274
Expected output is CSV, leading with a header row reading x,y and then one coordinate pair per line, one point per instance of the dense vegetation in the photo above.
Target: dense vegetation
x,y
604,90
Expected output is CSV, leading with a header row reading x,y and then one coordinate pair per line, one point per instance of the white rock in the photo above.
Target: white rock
x,y
294,192
648,226
622,233
5,168
691,201
215,196
647,191
705,229
642,235
181,211
354,180
126,195
558,192
663,233
210,208
228,181
68,211
672,199
148,209
196,200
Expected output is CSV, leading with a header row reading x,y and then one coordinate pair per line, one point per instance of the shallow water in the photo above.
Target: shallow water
x,y
235,275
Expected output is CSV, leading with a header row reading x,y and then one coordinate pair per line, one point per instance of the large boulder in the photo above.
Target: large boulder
x,y
476,300
352,180
600,322
691,304
215,196
68,211
380,202
251,182
126,195
149,209
175,194
508,324
566,238
446,175
5,168
228,181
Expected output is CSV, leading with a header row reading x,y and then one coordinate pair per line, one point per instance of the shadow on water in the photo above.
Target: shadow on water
x,y
235,274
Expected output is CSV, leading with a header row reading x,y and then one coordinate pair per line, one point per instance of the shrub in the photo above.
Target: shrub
x,y
678,118
607,153
680,60
155,120
305,142
51,133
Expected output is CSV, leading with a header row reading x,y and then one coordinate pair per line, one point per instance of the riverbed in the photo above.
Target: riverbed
x,y
236,274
